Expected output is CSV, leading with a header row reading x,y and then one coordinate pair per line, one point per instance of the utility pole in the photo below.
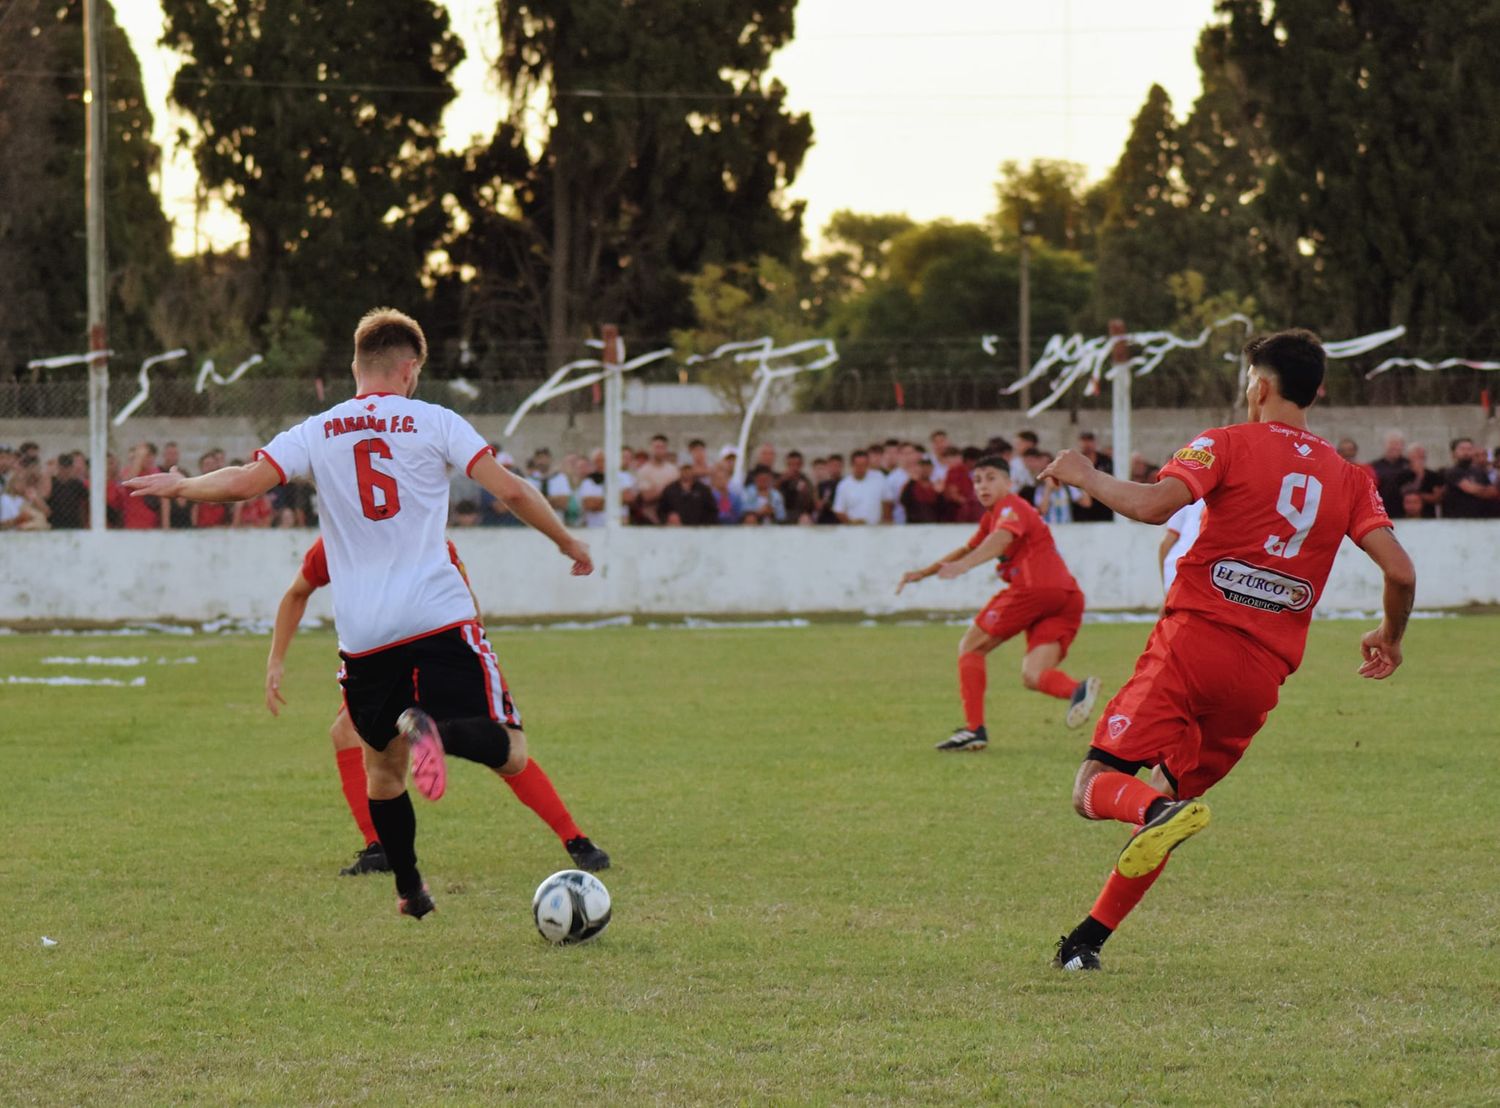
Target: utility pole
x,y
93,99
1024,360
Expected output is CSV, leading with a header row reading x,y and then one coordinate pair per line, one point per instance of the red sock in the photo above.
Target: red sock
x,y
1115,795
1121,894
1057,683
533,788
352,777
971,678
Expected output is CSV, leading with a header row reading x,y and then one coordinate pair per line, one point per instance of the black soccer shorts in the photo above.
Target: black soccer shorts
x,y
451,674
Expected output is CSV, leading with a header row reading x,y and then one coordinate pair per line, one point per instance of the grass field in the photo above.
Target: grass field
x,y
810,905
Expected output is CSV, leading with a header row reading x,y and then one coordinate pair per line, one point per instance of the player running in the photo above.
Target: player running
x,y
405,619
1043,600
1278,502
532,786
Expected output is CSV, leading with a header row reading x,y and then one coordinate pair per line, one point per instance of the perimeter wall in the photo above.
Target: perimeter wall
x,y
195,576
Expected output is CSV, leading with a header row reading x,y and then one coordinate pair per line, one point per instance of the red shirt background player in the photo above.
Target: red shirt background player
x,y
531,786
1278,502
1043,601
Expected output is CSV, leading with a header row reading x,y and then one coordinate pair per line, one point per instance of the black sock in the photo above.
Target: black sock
x,y
1155,808
396,824
1090,932
479,739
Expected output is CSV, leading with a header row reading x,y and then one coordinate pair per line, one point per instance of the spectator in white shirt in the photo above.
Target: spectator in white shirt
x,y
895,481
1181,532
861,496
591,493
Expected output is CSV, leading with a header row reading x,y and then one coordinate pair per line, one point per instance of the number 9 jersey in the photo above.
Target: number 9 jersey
x,y
1278,503
381,464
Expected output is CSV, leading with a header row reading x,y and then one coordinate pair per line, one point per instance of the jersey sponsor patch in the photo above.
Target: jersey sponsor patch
x,y
1197,454
1257,587
1118,725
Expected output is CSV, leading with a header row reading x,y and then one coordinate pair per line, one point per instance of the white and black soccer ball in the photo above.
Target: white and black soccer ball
x,y
571,906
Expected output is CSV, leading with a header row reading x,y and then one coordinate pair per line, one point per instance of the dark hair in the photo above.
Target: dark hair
x,y
1089,435
794,454
1296,358
1028,435
819,461
758,470
658,437
865,454
993,461
695,442
1452,446
465,508
997,445
935,434
835,458
891,442
972,454
1033,452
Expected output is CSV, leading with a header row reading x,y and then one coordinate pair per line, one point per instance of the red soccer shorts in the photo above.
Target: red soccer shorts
x,y
1046,615
1199,694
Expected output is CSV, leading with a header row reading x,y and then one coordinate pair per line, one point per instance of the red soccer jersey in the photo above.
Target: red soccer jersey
x,y
315,564
1278,503
1031,560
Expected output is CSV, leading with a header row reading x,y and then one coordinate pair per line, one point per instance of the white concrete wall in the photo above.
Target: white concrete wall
x,y
729,571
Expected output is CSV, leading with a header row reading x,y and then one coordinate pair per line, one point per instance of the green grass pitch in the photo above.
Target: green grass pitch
x,y
810,904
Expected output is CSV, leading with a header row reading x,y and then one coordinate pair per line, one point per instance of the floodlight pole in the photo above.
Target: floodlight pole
x,y
614,396
1119,354
93,98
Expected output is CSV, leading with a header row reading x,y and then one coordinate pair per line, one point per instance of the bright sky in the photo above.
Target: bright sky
x,y
913,119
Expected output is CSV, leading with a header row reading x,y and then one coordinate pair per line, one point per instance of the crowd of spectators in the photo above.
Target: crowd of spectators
x,y
886,482
53,494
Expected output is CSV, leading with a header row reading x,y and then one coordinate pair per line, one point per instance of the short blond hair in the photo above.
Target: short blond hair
x,y
384,331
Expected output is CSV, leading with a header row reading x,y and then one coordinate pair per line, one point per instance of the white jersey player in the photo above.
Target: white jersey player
x,y
406,624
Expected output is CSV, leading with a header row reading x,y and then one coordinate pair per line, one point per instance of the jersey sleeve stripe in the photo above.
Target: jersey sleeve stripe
x,y
1357,535
274,465
469,469
1187,478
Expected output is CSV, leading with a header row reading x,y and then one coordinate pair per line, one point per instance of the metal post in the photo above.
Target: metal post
x,y
1025,310
1119,380
614,397
93,98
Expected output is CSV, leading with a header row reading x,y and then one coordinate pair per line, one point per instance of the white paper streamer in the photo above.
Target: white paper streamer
x,y
763,351
1076,357
1420,363
558,384
206,373
143,380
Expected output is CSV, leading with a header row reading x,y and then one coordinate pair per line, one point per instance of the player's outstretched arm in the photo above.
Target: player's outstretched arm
x,y
221,486
992,547
1381,647
912,576
1144,503
531,508
289,614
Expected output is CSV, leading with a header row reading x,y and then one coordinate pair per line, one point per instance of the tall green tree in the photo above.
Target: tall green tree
x,y
1384,119
319,124
651,142
1140,233
1049,194
43,264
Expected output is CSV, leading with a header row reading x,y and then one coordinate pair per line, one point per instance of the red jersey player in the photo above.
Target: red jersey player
x,y
1043,601
1278,503
531,786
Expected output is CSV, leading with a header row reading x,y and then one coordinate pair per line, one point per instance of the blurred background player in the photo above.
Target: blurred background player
x,y
1042,600
532,786
1181,532
404,616
1279,501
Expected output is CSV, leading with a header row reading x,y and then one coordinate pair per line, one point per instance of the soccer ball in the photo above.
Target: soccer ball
x,y
570,907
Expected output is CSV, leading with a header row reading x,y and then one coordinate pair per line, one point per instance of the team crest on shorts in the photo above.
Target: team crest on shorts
x,y
1118,725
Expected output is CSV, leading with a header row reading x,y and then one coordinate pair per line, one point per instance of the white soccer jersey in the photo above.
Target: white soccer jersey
x,y
381,462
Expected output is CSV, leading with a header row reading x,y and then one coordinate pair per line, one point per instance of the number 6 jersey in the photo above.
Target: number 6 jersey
x,y
381,464
1278,502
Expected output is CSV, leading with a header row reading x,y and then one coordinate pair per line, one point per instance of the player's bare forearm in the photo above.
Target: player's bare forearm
x,y
1144,503
531,508
1381,648
289,615
222,486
